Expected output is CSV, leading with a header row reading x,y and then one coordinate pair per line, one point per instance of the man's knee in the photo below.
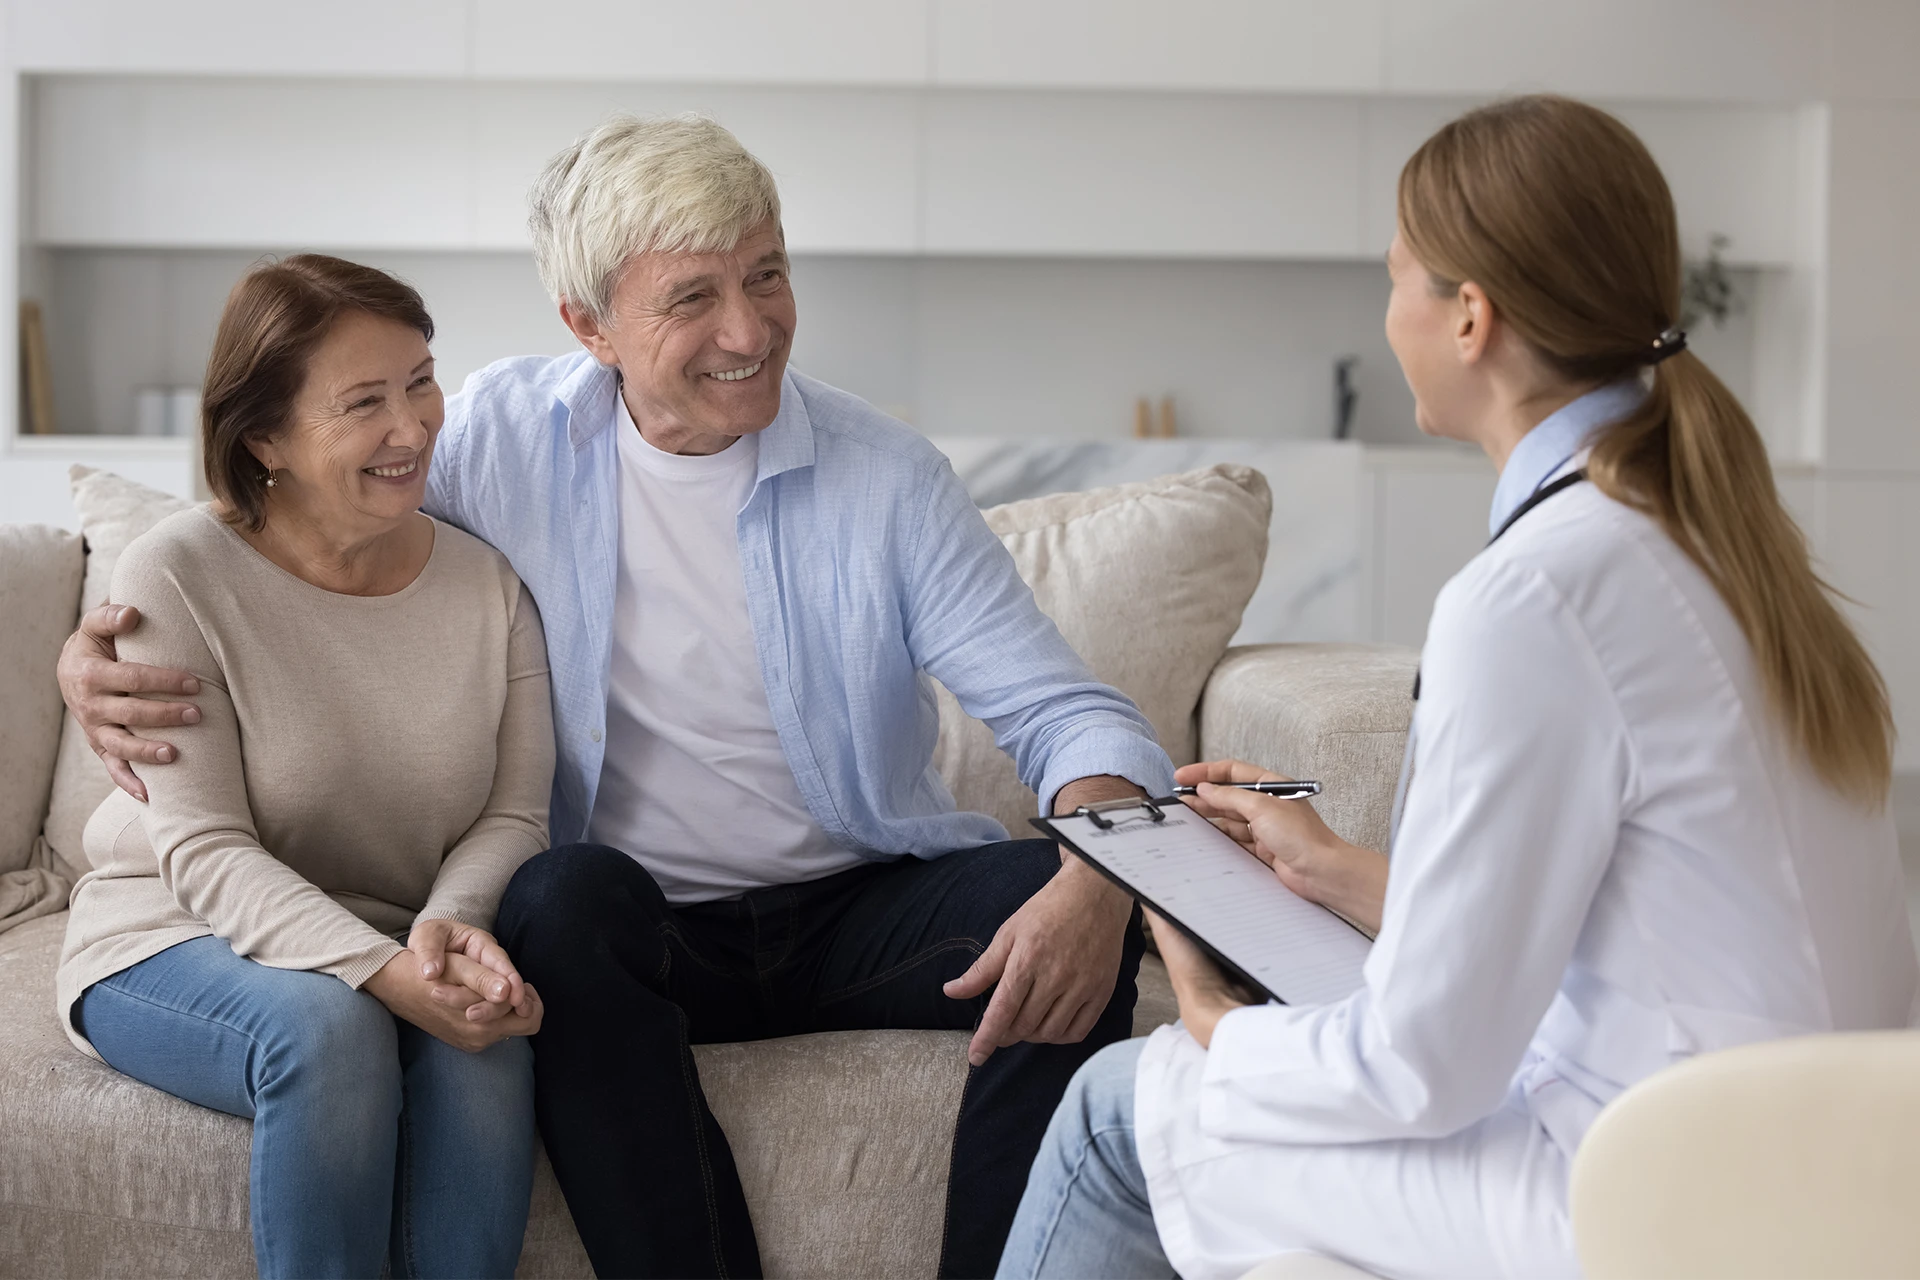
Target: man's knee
x,y
564,893
574,916
1002,877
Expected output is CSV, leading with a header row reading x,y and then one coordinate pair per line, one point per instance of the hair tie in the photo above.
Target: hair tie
x,y
1670,343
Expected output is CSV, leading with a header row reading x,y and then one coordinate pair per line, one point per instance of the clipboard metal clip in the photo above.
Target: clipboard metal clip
x,y
1097,811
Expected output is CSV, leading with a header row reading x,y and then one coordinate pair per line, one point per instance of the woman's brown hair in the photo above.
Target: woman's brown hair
x,y
1560,214
274,320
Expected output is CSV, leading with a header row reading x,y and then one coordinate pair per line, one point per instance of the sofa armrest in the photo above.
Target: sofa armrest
x,y
1335,712
40,572
1790,1158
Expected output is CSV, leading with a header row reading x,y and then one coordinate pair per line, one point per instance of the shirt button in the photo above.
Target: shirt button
x,y
595,735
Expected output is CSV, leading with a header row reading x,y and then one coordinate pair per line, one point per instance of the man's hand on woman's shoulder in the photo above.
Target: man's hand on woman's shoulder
x,y
111,698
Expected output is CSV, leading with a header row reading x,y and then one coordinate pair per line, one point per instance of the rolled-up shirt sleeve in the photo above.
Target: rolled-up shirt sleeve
x,y
1522,763
972,624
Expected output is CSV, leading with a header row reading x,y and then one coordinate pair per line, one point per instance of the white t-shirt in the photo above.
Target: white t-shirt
x,y
695,785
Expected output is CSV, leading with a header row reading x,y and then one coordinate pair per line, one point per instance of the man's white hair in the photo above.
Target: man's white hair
x,y
633,186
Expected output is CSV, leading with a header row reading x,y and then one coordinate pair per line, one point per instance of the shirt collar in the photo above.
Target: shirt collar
x,y
1556,441
787,443
591,397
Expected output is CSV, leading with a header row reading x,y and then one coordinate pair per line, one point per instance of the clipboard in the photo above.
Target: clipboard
x,y
1228,902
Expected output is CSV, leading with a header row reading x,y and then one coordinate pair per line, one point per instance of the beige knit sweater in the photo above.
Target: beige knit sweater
x,y
361,761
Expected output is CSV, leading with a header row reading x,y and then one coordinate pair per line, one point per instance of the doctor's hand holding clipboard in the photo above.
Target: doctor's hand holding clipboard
x,y
1308,858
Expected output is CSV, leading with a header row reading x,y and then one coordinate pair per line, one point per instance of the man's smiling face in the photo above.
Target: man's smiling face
x,y
701,340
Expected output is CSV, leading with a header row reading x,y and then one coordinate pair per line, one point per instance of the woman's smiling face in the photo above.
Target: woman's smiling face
x,y
353,457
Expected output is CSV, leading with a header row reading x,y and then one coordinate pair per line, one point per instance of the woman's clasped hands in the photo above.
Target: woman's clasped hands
x,y
456,983
1290,837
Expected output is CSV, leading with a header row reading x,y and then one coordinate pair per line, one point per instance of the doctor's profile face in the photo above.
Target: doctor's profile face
x,y
1424,327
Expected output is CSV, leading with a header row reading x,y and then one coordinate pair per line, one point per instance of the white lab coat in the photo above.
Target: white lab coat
x,y
1610,859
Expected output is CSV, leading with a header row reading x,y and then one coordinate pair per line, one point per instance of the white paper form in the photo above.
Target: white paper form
x,y
1194,874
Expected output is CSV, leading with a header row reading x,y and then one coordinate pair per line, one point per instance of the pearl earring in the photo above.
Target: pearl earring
x,y
272,480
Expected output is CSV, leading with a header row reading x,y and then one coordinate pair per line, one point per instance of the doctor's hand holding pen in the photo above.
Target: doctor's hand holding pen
x,y
1289,836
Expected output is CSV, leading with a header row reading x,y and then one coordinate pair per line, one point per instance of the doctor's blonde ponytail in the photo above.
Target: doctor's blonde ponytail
x,y
1559,213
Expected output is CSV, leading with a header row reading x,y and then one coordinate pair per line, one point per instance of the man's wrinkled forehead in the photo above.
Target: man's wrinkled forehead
x,y
707,269
680,270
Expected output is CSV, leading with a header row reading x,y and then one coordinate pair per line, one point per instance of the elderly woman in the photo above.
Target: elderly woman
x,y
294,927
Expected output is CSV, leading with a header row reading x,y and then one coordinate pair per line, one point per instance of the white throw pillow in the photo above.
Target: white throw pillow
x,y
1147,582
113,512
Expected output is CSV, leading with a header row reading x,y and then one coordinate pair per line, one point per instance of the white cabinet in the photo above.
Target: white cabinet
x,y
241,37
1287,45
847,160
726,41
1686,50
1429,518
198,162
1734,170
222,162
1162,175
1872,414
1779,51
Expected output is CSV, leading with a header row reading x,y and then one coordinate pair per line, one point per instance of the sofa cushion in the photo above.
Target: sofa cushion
x,y
1147,582
40,570
1338,713
842,1142
113,512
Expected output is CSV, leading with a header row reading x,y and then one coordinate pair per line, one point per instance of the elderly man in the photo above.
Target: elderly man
x,y
747,578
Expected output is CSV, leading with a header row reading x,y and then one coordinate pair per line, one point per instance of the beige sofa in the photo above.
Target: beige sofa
x,y
842,1139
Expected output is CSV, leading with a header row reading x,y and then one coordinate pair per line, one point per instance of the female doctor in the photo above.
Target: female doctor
x,y
1644,809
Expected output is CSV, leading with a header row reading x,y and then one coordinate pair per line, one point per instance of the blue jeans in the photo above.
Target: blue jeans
x,y
373,1142
1085,1213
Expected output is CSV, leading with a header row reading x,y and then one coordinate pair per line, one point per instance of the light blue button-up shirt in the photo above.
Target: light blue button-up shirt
x,y
1559,438
867,570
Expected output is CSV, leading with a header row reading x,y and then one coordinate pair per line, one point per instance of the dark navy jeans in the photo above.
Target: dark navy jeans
x,y
630,982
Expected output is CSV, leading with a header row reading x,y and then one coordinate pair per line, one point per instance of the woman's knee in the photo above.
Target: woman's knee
x,y
1100,1095
498,1077
1091,1138
478,1103
329,1036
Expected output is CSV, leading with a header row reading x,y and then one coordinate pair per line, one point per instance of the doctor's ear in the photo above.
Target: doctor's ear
x,y
1474,320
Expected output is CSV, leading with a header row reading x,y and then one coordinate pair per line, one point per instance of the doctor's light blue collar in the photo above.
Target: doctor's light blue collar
x,y
1558,440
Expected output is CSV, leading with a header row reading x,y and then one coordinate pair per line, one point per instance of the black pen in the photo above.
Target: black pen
x,y
1285,790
